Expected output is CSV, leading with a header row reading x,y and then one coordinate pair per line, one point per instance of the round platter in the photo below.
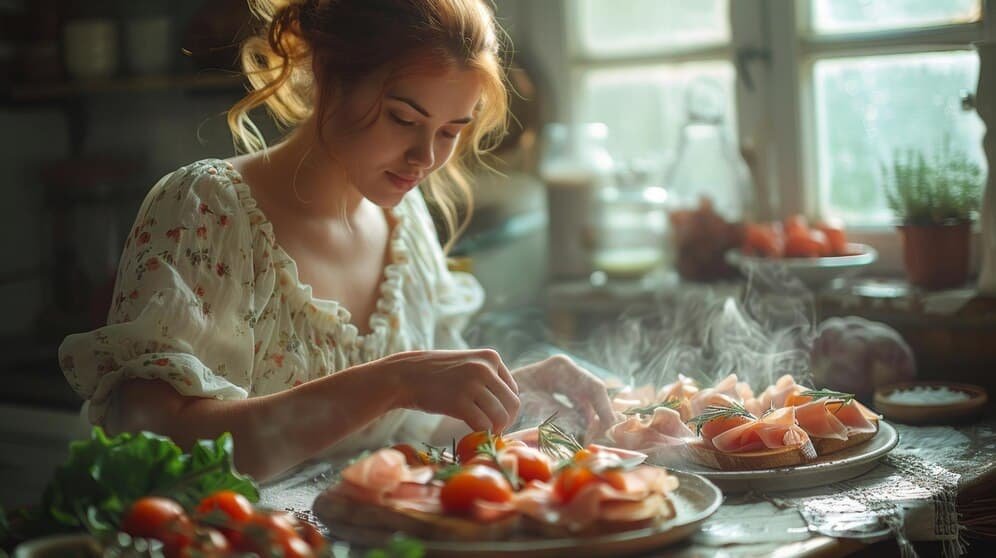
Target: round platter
x,y
813,272
842,465
695,500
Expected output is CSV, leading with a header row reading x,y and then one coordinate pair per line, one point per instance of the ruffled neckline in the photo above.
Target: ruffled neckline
x,y
326,313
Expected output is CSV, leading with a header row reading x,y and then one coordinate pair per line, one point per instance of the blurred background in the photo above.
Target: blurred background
x,y
649,134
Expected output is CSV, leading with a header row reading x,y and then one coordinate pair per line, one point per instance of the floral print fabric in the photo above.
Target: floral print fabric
x,y
206,300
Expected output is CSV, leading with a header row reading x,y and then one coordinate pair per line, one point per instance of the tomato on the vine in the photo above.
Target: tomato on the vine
x,y
476,482
234,505
272,534
468,445
148,516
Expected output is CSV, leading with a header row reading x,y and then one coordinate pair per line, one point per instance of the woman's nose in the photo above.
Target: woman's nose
x,y
421,153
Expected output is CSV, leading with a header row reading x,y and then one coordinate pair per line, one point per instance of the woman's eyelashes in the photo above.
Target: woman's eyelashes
x,y
404,122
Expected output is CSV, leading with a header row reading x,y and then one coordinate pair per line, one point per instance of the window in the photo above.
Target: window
x,y
633,60
885,76
827,90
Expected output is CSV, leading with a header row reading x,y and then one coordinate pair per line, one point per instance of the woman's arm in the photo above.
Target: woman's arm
x,y
272,433
275,432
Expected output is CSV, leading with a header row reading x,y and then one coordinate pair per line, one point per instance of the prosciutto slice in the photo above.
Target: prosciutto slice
x,y
776,430
663,428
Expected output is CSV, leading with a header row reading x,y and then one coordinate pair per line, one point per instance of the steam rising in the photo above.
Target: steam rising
x,y
758,331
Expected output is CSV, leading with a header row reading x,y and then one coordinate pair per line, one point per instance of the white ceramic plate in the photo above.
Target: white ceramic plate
x,y
695,500
842,465
812,272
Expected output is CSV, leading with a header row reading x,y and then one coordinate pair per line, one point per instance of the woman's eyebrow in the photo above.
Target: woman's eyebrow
x,y
425,113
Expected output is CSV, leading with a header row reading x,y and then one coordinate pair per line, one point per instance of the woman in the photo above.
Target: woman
x,y
297,296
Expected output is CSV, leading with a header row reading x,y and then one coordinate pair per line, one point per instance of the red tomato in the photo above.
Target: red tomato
x,y
147,517
272,534
801,246
835,235
207,543
795,225
532,464
762,240
177,536
232,504
582,454
572,479
473,483
467,446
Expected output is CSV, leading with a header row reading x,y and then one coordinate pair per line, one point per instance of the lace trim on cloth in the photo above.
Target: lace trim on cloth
x,y
903,495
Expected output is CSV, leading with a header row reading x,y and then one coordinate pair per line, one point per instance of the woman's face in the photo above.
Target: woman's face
x,y
420,120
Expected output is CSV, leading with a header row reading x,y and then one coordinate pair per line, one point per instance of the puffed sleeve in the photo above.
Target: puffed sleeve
x,y
456,295
183,306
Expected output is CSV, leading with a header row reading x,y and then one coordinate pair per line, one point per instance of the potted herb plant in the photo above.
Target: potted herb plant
x,y
935,201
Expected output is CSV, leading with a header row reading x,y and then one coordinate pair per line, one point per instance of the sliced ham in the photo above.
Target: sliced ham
x,y
663,428
775,395
857,418
681,389
817,420
776,430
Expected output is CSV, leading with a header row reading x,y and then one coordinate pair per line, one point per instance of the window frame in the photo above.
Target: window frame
x,y
772,41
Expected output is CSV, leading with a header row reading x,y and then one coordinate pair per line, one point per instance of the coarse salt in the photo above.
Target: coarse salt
x,y
927,395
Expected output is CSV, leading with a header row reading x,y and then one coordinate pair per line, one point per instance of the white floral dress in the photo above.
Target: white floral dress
x,y
207,301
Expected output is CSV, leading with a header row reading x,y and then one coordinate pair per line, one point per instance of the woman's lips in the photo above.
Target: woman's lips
x,y
402,182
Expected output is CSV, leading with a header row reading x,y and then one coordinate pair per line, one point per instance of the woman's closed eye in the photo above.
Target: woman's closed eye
x,y
400,120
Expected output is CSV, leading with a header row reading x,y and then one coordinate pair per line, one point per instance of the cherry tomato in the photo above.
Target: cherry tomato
x,y
531,463
234,505
473,483
177,535
762,240
582,454
801,246
147,517
207,543
836,237
572,479
467,446
272,534
413,457
796,225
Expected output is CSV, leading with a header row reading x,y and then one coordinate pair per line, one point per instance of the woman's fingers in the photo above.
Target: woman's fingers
x,y
493,408
470,413
495,360
506,397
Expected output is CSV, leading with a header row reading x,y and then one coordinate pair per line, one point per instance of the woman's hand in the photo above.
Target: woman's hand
x,y
559,374
473,386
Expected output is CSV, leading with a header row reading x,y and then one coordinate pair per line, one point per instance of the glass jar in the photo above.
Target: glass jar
x,y
576,166
709,188
630,222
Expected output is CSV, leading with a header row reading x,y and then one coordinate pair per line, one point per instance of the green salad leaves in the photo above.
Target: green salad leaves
x,y
104,475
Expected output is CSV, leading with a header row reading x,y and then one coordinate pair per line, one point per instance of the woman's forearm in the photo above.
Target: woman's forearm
x,y
274,432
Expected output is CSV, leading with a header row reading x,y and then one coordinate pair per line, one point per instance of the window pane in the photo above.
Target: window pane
x,y
844,16
634,26
867,108
644,107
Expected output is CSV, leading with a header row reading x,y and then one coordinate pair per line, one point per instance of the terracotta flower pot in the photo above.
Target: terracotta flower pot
x,y
936,256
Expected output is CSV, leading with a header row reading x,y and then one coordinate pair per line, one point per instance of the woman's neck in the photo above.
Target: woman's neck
x,y
306,180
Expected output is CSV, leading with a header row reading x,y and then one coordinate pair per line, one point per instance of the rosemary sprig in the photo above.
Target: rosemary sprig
x,y
438,456
649,409
714,412
555,442
446,472
828,394
491,451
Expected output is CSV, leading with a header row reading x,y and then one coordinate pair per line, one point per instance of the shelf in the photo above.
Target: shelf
x,y
30,92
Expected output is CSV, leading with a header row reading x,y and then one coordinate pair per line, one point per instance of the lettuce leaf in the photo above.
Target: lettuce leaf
x,y
104,475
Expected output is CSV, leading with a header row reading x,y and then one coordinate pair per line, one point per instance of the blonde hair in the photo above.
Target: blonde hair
x,y
346,40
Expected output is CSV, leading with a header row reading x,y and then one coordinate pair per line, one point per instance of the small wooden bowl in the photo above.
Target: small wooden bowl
x,y
946,413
